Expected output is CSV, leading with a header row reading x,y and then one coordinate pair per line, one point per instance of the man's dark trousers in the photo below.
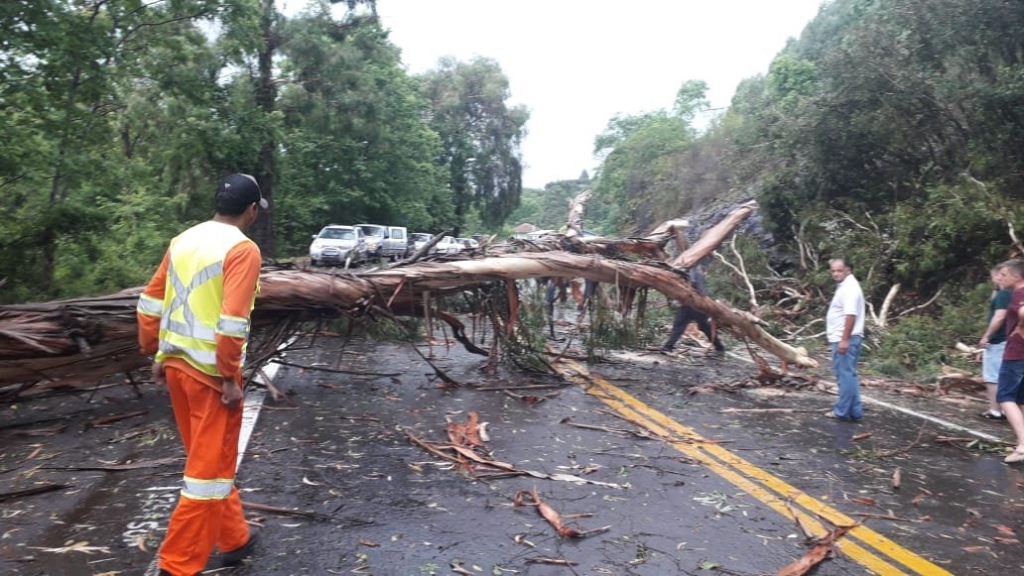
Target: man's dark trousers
x,y
685,315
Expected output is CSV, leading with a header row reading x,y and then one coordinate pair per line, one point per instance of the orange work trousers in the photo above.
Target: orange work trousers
x,y
210,433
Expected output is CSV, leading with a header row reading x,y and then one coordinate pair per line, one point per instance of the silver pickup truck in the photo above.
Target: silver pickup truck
x,y
385,241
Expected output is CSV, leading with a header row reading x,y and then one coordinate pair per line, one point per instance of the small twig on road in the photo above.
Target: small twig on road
x,y
120,467
49,431
104,420
440,373
527,387
643,435
532,400
362,418
764,410
552,561
885,517
335,370
906,448
4,497
284,511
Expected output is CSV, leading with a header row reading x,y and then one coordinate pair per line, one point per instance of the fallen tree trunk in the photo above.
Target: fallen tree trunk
x,y
713,237
74,342
87,337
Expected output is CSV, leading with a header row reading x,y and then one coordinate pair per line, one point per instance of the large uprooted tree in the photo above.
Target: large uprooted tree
x,y
79,341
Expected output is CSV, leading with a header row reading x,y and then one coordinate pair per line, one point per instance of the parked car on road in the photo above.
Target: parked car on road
x,y
447,245
417,240
374,239
396,243
338,245
467,243
384,241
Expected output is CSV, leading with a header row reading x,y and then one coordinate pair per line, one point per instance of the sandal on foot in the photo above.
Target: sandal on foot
x,y
990,416
1014,457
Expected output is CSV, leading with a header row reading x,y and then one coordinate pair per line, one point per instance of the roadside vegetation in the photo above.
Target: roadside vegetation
x,y
891,132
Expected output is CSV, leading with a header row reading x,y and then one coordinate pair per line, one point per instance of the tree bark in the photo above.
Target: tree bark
x,y
574,224
76,341
266,99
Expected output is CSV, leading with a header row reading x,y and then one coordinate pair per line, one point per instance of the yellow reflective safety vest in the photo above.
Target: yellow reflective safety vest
x,y
191,313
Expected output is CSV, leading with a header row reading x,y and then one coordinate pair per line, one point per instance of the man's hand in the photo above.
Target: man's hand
x,y
159,376
232,393
843,347
983,343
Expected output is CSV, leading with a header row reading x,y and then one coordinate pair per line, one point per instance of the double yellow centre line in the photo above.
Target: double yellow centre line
x,y
863,545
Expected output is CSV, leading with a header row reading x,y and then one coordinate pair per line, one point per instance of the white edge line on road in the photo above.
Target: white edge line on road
x,y
908,411
939,421
250,412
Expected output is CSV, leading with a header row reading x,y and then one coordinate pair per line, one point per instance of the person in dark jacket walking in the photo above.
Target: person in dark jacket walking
x,y
687,314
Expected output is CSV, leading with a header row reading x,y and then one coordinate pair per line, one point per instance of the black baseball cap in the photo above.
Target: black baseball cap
x,y
237,191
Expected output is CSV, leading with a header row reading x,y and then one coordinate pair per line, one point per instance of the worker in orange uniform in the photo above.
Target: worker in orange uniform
x,y
194,316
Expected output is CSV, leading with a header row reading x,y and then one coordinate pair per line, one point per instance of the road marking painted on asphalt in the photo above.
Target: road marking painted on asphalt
x,y
907,411
250,412
939,421
742,474
850,548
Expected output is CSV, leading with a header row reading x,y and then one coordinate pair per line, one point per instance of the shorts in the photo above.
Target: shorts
x,y
1010,375
991,360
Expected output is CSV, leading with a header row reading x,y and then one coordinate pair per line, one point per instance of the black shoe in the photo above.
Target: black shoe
x,y
235,557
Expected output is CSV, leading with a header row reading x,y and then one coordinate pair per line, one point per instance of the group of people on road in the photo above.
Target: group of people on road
x,y
1002,347
194,318
1002,343
844,327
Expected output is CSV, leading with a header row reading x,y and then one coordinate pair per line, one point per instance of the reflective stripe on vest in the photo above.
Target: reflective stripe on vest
x,y
196,489
233,326
191,316
191,326
149,306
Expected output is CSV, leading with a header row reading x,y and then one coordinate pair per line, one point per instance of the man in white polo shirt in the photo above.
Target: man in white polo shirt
x,y
844,325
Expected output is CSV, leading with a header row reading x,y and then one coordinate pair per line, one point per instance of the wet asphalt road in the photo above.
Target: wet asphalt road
x,y
338,449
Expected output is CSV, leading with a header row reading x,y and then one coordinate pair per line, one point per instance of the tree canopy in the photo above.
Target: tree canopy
x,y
890,132
120,117
480,136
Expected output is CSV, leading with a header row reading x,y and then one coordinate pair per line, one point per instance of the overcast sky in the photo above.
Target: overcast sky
x,y
576,63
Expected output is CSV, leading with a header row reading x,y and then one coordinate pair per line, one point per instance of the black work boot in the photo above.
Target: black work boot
x,y
235,557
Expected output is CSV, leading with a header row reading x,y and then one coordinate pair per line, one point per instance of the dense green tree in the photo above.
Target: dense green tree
x,y
480,136
890,132
120,117
548,208
70,73
357,145
637,177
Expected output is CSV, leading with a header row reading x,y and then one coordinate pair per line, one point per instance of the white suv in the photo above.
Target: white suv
x,y
447,245
338,245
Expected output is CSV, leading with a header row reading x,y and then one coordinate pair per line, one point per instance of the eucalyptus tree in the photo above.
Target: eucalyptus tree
x,y
636,178
480,136
356,145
